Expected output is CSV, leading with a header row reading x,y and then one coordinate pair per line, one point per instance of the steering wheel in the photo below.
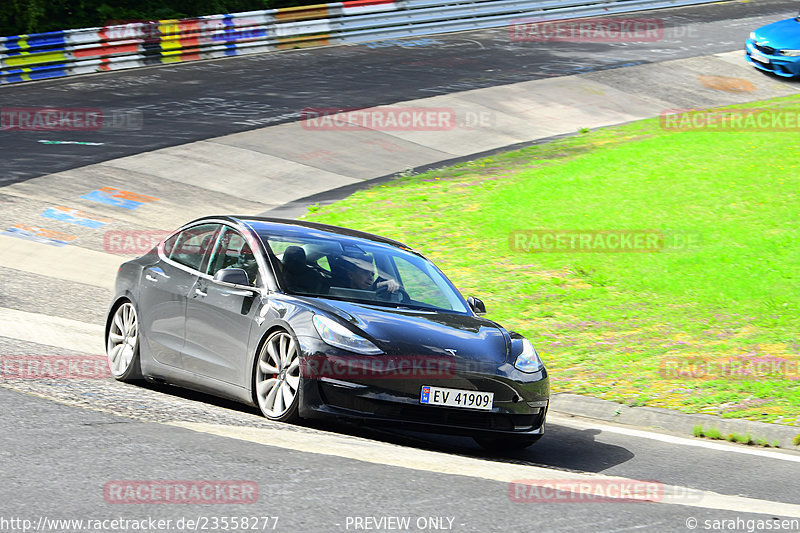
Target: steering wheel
x,y
399,296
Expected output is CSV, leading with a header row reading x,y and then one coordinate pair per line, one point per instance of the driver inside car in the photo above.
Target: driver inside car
x,y
360,274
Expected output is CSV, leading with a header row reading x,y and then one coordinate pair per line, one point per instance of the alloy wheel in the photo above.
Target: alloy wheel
x,y
123,342
277,378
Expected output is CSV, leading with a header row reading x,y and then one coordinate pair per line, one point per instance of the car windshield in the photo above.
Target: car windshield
x,y
359,270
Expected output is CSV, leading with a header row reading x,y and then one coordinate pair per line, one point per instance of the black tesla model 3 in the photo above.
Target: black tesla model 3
x,y
310,320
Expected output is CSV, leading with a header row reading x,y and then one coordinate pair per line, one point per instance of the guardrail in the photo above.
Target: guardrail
x,y
139,44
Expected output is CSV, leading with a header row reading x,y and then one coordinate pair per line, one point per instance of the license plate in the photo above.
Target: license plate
x,y
758,57
467,399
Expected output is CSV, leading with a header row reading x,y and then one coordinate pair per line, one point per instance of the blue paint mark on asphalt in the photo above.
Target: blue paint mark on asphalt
x,y
106,198
65,216
31,236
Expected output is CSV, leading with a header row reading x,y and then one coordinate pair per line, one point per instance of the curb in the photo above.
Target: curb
x,y
299,207
670,420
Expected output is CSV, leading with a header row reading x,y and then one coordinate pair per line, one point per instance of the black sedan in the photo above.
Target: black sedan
x,y
310,320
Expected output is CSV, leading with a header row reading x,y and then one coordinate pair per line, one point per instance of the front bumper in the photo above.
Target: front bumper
x,y
519,406
787,67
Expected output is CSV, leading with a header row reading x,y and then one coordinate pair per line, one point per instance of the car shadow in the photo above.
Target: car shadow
x,y
188,394
775,77
562,447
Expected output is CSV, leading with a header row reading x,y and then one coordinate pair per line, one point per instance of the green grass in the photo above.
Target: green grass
x,y
742,439
681,328
715,434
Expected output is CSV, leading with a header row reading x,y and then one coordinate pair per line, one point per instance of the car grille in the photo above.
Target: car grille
x,y
432,415
764,49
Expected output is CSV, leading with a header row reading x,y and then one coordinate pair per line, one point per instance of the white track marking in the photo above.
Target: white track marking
x,y
671,439
52,331
69,263
325,443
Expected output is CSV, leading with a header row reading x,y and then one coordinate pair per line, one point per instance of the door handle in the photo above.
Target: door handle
x,y
242,292
199,292
150,278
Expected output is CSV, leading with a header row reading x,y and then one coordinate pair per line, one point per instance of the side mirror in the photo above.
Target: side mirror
x,y
477,306
234,276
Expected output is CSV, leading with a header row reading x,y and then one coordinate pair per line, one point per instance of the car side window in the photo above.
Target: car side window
x,y
193,245
233,251
169,244
300,265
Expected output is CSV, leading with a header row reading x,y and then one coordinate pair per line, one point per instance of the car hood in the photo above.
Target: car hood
x,y
404,331
781,35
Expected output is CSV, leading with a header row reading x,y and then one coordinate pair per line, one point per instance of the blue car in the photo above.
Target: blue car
x,y
775,48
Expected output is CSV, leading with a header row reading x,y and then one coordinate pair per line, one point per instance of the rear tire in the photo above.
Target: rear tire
x,y
122,343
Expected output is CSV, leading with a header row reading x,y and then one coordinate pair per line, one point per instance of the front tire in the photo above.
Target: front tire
x,y
122,343
277,377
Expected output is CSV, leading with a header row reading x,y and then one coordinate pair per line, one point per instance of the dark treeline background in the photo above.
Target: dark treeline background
x,y
36,16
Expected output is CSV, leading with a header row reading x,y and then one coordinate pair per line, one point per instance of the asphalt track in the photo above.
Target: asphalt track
x,y
177,104
70,454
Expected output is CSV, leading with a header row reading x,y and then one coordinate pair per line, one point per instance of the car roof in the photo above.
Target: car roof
x,y
277,224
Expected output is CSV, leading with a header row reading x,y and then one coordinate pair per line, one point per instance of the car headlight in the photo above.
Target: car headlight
x,y
789,53
528,361
339,336
752,36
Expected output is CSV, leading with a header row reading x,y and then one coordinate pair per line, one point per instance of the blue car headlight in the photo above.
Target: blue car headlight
x,y
752,36
339,336
528,361
789,53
